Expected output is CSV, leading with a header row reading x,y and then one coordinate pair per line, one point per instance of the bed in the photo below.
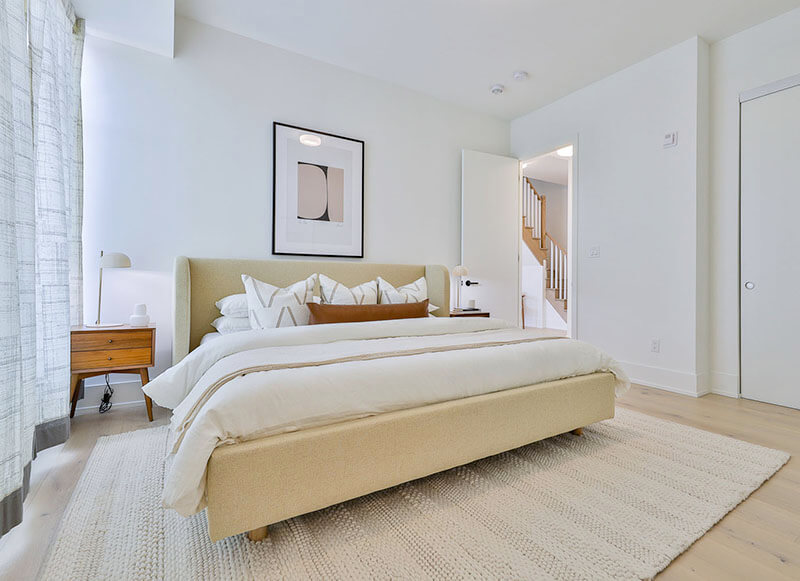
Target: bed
x,y
247,483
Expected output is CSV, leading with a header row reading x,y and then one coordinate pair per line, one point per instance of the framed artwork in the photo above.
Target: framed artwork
x,y
317,193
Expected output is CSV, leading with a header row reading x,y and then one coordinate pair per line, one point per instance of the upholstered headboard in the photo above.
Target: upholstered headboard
x,y
201,282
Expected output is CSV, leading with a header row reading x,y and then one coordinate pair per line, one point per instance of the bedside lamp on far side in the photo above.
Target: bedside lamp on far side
x,y
460,271
110,260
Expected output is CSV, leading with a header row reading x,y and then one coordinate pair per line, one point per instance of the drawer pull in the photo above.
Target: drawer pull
x,y
109,358
110,340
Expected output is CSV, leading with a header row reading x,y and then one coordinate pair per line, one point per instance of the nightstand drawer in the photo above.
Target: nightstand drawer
x,y
110,358
111,340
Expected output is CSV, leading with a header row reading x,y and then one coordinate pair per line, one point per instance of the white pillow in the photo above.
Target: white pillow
x,y
335,293
227,325
414,292
233,306
271,307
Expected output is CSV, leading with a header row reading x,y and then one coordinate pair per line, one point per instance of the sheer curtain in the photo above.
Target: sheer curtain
x,y
41,204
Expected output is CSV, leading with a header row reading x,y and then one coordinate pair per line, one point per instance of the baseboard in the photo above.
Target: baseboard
x,y
125,393
694,385
726,384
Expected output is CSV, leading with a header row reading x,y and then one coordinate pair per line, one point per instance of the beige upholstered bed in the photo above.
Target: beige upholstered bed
x,y
252,484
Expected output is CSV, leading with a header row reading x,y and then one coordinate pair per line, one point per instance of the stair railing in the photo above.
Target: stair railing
x,y
554,259
534,212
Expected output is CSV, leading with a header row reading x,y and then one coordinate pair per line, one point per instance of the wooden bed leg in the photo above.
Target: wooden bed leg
x,y
258,534
578,431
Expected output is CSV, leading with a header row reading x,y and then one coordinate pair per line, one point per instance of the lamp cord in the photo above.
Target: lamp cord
x,y
105,405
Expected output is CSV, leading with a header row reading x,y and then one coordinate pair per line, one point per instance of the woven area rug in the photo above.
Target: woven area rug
x,y
619,502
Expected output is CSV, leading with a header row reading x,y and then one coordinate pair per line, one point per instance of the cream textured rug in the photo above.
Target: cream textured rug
x,y
619,502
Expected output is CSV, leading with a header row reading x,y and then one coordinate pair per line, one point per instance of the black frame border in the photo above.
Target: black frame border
x,y
275,125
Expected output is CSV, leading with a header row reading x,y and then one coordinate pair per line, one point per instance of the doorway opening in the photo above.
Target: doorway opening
x,y
546,240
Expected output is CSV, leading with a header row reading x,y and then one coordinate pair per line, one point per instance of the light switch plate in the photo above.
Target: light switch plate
x,y
671,139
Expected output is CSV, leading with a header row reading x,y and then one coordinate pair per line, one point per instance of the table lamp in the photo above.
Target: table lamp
x,y
110,260
459,271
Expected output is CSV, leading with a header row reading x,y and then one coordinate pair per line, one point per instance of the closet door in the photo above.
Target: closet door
x,y
770,248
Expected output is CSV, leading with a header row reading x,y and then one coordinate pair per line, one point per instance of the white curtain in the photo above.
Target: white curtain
x,y
41,193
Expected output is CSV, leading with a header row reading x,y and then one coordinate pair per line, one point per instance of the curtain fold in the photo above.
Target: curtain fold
x,y
41,205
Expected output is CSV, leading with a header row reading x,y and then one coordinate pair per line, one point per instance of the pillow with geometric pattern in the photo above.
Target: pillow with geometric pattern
x,y
335,293
270,307
414,292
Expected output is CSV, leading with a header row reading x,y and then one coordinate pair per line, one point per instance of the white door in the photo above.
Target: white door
x,y
770,269
490,233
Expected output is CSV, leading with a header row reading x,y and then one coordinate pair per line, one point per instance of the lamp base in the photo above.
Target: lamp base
x,y
99,325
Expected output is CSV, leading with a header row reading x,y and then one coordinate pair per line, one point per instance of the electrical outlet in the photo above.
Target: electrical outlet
x,y
594,252
655,345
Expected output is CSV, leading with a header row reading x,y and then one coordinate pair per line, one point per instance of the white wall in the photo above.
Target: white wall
x,y
640,204
556,195
754,57
179,159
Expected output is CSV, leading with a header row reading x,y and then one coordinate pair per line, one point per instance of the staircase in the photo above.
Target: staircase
x,y
550,255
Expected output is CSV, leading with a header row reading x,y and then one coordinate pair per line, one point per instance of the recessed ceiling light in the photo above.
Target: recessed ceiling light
x,y
497,89
564,151
526,164
310,140
520,76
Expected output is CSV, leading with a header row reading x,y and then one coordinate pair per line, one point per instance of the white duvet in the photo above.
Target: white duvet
x,y
218,397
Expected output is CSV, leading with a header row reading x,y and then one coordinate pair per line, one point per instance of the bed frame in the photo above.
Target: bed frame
x,y
253,484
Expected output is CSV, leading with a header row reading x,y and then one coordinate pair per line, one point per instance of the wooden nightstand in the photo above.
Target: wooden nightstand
x,y
470,314
101,350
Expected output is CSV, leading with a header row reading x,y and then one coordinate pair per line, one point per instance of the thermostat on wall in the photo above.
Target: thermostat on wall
x,y
671,139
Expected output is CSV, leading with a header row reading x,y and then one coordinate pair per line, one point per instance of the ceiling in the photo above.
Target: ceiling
x,y
456,49
452,49
547,168
145,24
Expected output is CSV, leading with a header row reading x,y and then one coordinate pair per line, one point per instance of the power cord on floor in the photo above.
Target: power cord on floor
x,y
105,405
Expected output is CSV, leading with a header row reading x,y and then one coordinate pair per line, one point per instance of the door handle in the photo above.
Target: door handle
x,y
749,285
471,282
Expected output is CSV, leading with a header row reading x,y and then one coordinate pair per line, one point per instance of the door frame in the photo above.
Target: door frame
x,y
573,230
744,97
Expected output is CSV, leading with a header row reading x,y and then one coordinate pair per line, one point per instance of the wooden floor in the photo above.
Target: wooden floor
x,y
758,540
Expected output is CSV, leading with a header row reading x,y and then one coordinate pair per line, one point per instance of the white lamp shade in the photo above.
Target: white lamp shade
x,y
115,260
460,270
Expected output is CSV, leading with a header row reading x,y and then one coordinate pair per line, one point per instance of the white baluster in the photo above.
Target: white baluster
x,y
527,204
558,270
529,222
524,202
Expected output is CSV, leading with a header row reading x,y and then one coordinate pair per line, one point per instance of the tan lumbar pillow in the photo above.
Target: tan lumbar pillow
x,y
322,314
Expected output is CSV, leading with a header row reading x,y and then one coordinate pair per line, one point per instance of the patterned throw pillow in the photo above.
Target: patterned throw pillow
x,y
414,292
270,307
335,293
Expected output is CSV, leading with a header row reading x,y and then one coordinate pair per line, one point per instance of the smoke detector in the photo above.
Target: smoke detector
x,y
497,89
520,75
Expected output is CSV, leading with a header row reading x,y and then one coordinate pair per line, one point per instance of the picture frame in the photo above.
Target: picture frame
x,y
317,193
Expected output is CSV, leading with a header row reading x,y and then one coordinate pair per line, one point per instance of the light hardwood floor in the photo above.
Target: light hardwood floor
x,y
759,539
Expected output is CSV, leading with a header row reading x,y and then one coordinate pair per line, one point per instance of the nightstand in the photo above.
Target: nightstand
x,y
101,350
470,314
